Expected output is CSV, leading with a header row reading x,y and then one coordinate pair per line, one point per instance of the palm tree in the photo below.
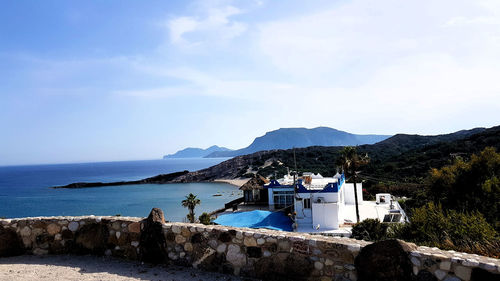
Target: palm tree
x,y
190,202
350,161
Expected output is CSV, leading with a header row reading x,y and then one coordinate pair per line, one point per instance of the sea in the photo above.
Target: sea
x,y
25,190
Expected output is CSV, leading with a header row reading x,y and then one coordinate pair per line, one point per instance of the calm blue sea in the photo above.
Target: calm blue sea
x,y
25,192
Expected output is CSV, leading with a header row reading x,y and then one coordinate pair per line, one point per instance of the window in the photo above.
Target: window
x,y
283,199
307,203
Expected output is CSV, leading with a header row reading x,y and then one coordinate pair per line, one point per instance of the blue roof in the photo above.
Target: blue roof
x,y
329,188
256,219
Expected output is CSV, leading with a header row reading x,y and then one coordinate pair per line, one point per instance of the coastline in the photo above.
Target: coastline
x,y
236,182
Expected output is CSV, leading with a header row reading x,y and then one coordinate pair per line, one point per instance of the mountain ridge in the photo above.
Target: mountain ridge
x,y
286,138
400,151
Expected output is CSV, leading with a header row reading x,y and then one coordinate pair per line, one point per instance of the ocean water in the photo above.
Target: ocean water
x,y
25,192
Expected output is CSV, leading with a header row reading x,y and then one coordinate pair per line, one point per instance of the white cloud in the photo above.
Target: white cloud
x,y
179,26
368,35
214,25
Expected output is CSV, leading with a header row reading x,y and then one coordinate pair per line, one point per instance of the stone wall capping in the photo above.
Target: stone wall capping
x,y
488,266
415,254
470,263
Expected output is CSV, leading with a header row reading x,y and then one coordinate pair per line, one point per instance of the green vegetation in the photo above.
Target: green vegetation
x,y
205,219
190,202
432,226
457,208
370,230
470,185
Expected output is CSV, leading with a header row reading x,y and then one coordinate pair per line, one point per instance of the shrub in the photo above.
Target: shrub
x,y
432,226
370,230
205,219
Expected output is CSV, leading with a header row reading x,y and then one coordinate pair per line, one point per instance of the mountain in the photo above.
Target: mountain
x,y
286,138
192,152
401,158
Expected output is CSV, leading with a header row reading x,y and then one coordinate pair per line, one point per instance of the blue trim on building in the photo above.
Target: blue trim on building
x,y
331,187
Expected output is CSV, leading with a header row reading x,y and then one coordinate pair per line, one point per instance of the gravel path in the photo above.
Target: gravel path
x,y
96,268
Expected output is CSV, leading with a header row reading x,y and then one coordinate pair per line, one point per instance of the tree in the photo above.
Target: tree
x,y
350,161
468,186
190,202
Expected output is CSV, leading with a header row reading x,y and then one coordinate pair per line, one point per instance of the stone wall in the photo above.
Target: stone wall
x,y
265,254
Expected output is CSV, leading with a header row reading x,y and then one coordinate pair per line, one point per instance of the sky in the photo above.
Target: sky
x,y
84,81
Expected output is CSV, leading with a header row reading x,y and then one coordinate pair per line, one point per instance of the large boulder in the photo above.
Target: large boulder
x,y
386,260
153,244
10,243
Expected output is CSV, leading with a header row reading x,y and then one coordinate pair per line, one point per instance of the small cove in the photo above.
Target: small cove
x,y
24,190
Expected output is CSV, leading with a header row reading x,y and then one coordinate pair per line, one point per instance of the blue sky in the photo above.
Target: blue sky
x,y
121,80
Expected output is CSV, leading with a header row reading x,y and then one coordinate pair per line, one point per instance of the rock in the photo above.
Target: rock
x,y
53,229
439,274
156,215
445,265
188,247
26,231
91,239
221,248
463,272
73,226
176,229
134,227
235,256
152,242
179,239
116,225
385,260
10,243
250,242
284,246
185,232
318,265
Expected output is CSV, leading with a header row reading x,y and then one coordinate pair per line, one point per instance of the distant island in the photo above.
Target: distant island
x,y
192,152
285,138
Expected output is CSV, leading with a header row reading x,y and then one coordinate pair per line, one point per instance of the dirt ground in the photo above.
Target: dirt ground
x,y
96,268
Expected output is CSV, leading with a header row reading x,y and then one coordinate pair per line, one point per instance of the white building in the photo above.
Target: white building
x,y
327,204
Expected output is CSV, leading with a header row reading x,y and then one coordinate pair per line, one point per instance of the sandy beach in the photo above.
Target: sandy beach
x,y
235,182
88,268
